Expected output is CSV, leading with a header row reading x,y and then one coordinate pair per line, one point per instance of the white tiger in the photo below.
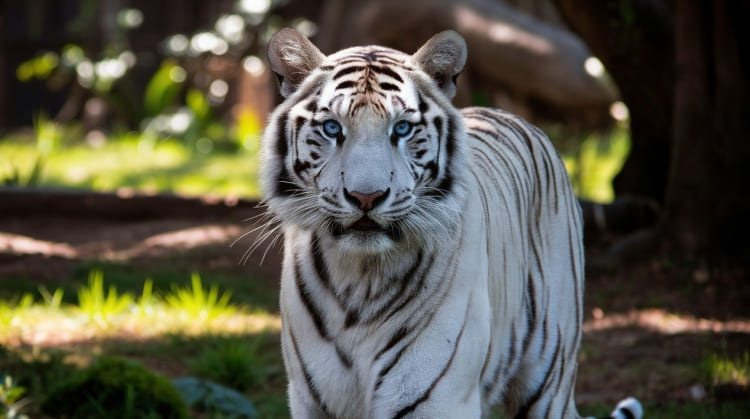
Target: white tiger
x,y
433,264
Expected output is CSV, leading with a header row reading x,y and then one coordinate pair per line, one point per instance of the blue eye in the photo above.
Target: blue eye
x,y
402,128
331,128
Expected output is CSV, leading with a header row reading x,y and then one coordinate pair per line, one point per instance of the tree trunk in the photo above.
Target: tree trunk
x,y
533,61
708,194
633,38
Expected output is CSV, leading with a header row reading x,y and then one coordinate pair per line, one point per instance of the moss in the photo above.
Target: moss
x,y
115,388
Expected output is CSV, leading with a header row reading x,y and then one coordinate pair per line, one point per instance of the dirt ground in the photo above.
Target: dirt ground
x,y
648,327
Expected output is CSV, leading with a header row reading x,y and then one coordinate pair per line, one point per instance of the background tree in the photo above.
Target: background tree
x,y
683,68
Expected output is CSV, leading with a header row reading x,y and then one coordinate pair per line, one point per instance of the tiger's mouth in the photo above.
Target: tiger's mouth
x,y
364,226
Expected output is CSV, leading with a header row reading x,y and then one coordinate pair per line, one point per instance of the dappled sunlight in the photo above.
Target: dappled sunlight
x,y
662,321
51,328
25,245
181,240
118,245
103,312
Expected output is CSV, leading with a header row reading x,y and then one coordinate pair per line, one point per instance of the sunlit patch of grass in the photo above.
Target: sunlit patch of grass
x,y
726,370
100,307
196,303
102,311
128,161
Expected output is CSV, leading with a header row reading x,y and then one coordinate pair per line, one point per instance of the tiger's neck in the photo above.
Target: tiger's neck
x,y
370,288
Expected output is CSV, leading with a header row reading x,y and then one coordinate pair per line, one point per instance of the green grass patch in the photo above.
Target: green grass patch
x,y
130,161
102,311
720,370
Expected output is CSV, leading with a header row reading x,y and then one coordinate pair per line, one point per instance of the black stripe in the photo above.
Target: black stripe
x,y
423,107
523,412
347,70
284,185
320,265
345,359
627,413
387,71
404,281
531,313
306,298
389,86
346,84
311,387
406,298
282,148
300,166
400,334
312,105
426,395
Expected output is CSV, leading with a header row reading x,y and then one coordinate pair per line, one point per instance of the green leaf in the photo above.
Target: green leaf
x,y
163,88
197,102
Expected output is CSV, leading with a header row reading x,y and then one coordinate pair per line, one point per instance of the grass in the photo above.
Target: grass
x,y
130,162
722,370
98,313
235,362
175,327
97,306
196,303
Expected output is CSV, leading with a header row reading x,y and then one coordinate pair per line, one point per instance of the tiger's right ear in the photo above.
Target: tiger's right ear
x,y
292,57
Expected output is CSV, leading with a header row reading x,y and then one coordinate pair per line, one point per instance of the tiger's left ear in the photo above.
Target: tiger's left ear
x,y
442,58
292,57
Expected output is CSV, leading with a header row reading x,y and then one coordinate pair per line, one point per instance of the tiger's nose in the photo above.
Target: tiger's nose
x,y
366,201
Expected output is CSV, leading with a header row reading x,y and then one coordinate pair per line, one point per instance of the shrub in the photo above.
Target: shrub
x,y
115,388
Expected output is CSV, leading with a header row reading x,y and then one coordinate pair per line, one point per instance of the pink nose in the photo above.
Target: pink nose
x,y
366,201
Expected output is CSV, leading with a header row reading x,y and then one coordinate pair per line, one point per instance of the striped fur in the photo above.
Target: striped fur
x,y
463,287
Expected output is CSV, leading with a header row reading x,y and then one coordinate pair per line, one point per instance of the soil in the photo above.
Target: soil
x,y
648,327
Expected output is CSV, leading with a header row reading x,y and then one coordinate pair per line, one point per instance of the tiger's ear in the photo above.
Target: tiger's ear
x,y
442,58
292,57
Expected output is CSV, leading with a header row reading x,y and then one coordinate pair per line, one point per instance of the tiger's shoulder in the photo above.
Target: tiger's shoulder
x,y
482,122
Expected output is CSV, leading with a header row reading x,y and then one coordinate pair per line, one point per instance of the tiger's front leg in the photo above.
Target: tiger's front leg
x,y
301,407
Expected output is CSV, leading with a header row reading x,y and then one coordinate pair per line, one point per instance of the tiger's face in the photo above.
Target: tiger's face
x,y
365,148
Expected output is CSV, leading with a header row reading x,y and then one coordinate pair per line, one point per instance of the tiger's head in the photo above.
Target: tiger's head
x,y
366,147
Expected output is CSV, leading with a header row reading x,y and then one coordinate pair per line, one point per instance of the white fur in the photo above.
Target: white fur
x,y
470,335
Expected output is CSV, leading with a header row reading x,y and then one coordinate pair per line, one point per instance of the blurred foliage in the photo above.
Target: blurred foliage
x,y
115,388
722,370
12,402
184,94
135,161
592,159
